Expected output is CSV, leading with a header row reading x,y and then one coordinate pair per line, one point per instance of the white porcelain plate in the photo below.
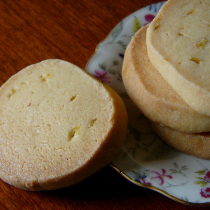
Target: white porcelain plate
x,y
145,159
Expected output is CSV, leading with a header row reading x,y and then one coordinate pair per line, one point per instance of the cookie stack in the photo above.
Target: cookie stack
x,y
166,72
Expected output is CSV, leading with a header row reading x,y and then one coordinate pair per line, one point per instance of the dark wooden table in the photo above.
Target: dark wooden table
x,y
31,31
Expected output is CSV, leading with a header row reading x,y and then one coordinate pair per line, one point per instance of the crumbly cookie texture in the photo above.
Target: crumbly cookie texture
x,y
195,144
153,95
178,44
58,125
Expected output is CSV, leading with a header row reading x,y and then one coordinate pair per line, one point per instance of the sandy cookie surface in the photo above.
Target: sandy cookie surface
x,y
58,125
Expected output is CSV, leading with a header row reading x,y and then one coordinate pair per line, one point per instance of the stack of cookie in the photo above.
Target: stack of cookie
x,y
166,74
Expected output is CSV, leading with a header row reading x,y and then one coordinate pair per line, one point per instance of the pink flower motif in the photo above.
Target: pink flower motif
x,y
207,177
144,182
205,192
149,17
161,177
102,76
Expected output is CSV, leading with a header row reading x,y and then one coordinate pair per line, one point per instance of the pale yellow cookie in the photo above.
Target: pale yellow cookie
x,y
178,44
58,125
196,144
153,95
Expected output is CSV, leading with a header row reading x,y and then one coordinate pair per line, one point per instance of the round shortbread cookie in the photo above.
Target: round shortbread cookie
x,y
196,144
178,44
153,95
58,125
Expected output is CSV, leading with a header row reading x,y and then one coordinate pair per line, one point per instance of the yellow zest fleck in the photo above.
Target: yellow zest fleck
x,y
73,132
180,34
92,122
44,78
157,26
196,60
72,98
190,12
23,83
77,130
11,93
201,45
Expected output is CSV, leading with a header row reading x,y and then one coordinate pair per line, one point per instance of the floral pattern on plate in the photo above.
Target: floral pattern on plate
x,y
145,159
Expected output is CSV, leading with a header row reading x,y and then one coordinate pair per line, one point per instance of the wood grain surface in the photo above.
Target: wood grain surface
x,y
31,31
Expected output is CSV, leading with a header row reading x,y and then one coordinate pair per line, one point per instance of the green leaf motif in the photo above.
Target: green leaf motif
x,y
116,32
176,165
202,183
136,24
119,77
201,172
122,44
111,71
184,168
102,66
199,178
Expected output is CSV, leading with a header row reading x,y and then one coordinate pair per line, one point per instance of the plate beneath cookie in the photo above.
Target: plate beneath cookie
x,y
145,159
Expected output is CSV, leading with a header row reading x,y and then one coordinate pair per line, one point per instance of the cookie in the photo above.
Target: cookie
x,y
153,95
58,125
178,44
195,144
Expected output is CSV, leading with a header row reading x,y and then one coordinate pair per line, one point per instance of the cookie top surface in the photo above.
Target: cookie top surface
x,y
178,46
54,118
153,95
